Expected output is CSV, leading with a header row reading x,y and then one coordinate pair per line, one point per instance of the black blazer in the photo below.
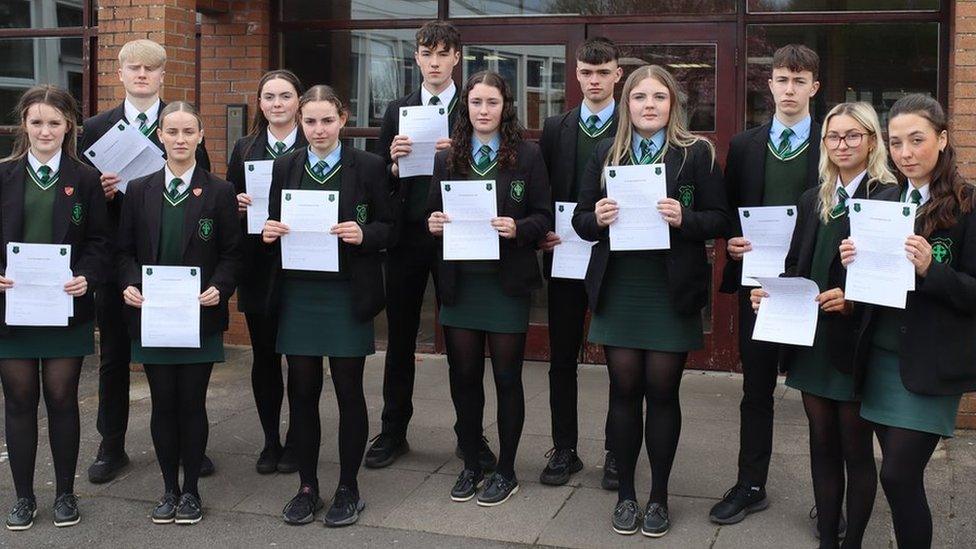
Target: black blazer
x,y
96,126
519,268
937,352
364,181
252,290
745,178
839,329
218,256
558,144
686,260
80,219
400,188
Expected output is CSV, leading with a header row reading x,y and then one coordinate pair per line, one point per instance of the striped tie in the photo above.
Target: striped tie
x,y
319,168
484,157
841,206
647,151
279,147
174,187
143,126
434,100
915,197
45,175
784,148
592,123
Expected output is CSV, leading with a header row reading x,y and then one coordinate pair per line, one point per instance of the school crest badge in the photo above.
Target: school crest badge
x,y
16,249
64,251
562,208
745,213
206,229
447,187
149,271
857,207
287,196
613,173
657,170
906,211
942,250
789,212
362,213
77,213
488,186
197,191
686,195
518,190
68,191
250,167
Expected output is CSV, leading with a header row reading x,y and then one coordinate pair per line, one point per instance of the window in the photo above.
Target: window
x,y
39,14
756,6
529,71
489,8
299,10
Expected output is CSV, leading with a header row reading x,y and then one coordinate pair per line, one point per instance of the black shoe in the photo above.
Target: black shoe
x,y
467,485
739,501
206,467
656,520
385,450
302,508
841,526
345,508
189,510
626,518
562,463
165,510
268,460
497,490
611,479
486,458
21,517
66,510
288,462
107,466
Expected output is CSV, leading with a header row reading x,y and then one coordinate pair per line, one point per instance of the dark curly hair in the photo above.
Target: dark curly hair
x,y
459,159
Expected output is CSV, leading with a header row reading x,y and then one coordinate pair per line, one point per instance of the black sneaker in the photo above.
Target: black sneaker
x,y
207,467
497,490
66,510
345,508
626,517
656,520
288,462
563,462
165,510
486,458
107,466
739,501
21,517
189,510
302,508
385,450
841,526
611,479
467,485
268,460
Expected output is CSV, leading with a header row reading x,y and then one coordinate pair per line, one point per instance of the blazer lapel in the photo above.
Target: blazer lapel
x,y
194,205
503,181
568,134
153,200
347,185
298,161
63,201
13,202
672,164
260,144
755,166
813,157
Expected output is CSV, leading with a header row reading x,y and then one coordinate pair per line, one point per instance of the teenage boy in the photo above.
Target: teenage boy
x,y
411,260
770,165
142,64
567,145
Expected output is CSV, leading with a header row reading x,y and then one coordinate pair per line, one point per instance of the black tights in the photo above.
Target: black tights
x,y
905,453
179,421
635,376
304,390
466,357
839,439
266,379
21,392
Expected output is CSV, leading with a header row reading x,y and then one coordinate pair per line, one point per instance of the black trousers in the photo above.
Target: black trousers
x,y
567,314
759,372
113,368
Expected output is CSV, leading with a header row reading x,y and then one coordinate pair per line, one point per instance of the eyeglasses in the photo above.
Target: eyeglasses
x,y
853,139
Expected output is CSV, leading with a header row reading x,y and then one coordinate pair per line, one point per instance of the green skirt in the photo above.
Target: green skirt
x,y
211,350
482,305
316,319
49,341
635,308
886,400
811,371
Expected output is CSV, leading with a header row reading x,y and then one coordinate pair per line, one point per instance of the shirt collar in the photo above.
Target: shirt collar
x,y
445,96
289,139
604,115
924,191
495,143
657,139
132,113
801,131
54,163
332,159
185,177
851,187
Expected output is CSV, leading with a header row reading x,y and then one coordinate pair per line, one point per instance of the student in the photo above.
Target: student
x,y
49,197
180,215
567,144
853,165
142,65
274,133
489,300
910,393
329,314
770,165
412,255
647,305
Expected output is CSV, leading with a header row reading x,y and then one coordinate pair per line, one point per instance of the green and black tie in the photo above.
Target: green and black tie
x,y
647,151
44,175
484,158
784,148
434,100
279,148
915,197
841,206
174,188
319,169
592,123
143,126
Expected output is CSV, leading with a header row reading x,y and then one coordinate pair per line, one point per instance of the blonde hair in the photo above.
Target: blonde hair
x,y
677,133
147,52
863,114
179,106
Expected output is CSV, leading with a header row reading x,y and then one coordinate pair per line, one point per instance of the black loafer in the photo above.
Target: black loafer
x,y
302,508
165,510
611,479
497,490
657,521
626,518
66,511
467,485
345,508
384,450
22,515
207,467
107,466
268,460
738,501
563,463
189,510
288,462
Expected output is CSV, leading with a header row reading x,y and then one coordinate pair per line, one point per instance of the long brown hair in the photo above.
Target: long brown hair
x,y
56,98
459,159
949,193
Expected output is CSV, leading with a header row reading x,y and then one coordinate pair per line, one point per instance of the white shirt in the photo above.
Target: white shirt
x,y
289,139
132,113
445,96
924,191
54,163
851,187
184,177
